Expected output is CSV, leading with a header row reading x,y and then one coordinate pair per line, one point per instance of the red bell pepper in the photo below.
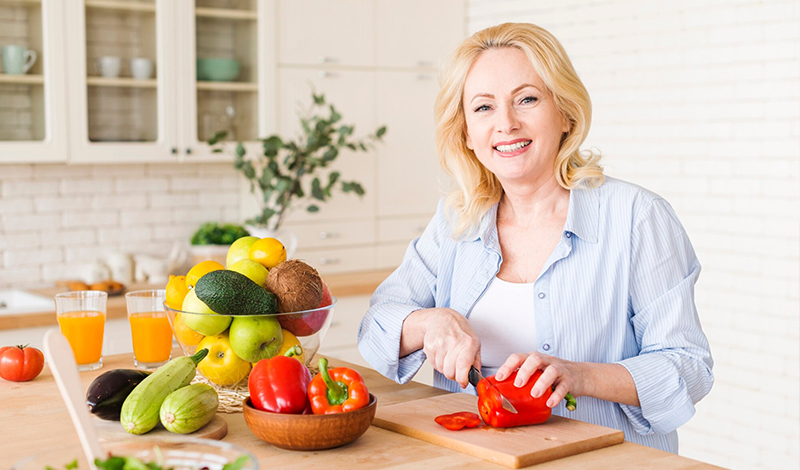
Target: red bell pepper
x,y
458,421
529,410
337,390
280,384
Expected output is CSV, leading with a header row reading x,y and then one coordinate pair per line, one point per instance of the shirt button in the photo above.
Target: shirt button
x,y
541,295
568,235
546,347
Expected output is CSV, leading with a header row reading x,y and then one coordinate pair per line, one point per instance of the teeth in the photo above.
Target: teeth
x,y
513,147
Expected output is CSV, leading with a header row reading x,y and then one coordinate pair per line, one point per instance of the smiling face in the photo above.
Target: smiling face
x,y
513,125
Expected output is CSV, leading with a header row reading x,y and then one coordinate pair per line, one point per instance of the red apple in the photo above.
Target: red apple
x,y
309,323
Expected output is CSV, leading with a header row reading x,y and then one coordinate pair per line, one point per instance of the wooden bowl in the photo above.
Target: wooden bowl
x,y
309,432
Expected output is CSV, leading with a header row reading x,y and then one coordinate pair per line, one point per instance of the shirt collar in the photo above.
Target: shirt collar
x,y
583,218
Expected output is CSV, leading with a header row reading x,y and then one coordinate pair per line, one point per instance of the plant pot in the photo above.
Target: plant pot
x,y
287,237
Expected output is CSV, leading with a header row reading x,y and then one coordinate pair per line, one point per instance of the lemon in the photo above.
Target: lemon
x,y
221,366
176,291
270,252
201,269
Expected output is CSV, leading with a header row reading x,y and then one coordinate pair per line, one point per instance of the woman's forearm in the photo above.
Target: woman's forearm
x,y
610,382
413,333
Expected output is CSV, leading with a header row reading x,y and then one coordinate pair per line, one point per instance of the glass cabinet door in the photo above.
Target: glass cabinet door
x,y
32,91
122,78
225,74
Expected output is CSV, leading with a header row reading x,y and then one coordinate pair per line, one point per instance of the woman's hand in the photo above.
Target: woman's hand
x,y
567,376
447,340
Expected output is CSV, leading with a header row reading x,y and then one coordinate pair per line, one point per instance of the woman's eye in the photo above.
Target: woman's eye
x,y
483,107
529,99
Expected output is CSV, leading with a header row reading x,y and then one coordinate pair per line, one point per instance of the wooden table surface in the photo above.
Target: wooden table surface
x,y
34,419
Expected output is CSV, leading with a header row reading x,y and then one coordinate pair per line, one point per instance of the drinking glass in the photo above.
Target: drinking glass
x,y
150,330
82,319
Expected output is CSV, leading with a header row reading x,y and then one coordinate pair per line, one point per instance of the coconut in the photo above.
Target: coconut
x,y
297,286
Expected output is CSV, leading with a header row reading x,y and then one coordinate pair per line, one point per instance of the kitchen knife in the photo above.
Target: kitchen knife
x,y
475,377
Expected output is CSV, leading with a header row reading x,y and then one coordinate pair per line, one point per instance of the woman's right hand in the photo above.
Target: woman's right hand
x,y
448,342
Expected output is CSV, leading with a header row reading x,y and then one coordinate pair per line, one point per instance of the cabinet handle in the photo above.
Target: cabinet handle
x,y
174,150
424,63
325,74
188,151
328,261
326,235
326,60
424,76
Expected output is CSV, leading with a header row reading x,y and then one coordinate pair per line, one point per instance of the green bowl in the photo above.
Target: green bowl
x,y
217,70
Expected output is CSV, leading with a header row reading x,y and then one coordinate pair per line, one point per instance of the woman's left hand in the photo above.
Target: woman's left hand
x,y
567,376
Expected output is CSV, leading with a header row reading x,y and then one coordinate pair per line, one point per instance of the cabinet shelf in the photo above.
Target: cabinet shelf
x,y
120,5
227,86
225,13
22,79
21,3
121,82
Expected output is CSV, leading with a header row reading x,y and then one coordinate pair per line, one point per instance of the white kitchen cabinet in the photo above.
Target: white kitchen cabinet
x,y
354,232
409,176
417,33
339,260
168,117
325,32
33,122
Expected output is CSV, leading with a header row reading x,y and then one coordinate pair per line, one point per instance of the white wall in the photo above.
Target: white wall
x,y
699,101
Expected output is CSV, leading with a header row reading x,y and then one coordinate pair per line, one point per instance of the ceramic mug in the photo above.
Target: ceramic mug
x,y
141,68
17,60
108,66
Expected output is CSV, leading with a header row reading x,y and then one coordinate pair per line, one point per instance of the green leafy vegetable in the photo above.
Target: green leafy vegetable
x,y
211,233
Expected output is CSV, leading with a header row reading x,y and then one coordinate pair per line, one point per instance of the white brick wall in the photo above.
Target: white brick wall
x,y
55,218
700,102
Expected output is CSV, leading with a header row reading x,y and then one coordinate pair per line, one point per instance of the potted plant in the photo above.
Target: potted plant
x,y
285,176
212,240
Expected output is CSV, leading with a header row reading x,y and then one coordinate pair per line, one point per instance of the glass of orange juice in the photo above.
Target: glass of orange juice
x,y
82,319
150,330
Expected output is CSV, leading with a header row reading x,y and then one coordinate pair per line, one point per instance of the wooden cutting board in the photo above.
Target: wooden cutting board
x,y
217,428
513,447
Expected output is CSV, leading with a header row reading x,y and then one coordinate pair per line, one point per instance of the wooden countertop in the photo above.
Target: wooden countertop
x,y
35,419
341,285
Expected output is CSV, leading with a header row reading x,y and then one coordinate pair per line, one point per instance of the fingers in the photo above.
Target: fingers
x,y
546,380
533,362
508,367
558,394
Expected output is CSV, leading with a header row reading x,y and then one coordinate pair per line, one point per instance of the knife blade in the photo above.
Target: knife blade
x,y
475,376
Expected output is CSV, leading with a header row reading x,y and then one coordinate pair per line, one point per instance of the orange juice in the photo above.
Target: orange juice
x,y
84,331
152,336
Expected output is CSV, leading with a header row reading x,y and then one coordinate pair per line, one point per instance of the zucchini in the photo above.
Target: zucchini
x,y
189,408
140,410
110,389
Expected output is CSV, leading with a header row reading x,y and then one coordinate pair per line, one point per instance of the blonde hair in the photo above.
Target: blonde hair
x,y
477,189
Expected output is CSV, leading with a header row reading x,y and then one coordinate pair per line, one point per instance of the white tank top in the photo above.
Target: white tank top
x,y
503,320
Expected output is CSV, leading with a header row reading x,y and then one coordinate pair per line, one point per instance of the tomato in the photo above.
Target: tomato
x,y
460,420
20,363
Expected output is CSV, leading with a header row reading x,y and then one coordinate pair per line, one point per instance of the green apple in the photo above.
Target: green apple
x,y
256,337
240,249
209,324
254,270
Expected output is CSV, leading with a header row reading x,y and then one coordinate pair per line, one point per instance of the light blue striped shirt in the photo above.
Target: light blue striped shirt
x,y
618,288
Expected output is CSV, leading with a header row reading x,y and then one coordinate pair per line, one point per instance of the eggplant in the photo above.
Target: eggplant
x,y
109,390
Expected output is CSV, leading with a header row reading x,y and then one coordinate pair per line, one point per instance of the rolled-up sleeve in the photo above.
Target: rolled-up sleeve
x,y
411,287
672,371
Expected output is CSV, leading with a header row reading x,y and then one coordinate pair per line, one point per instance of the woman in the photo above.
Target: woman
x,y
537,261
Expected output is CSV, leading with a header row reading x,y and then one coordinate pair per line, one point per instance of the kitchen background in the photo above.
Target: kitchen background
x,y
698,101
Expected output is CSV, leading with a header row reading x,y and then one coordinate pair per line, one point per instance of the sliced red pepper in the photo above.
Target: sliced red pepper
x,y
460,420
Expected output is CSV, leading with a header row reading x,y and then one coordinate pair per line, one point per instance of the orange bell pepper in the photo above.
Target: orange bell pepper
x,y
337,390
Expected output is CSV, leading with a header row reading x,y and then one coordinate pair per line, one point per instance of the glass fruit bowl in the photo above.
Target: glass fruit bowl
x,y
236,342
178,453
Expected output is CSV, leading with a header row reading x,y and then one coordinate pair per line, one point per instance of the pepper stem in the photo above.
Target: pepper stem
x,y
571,402
337,391
295,350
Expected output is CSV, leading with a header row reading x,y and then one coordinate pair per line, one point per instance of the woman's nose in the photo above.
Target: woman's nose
x,y
507,120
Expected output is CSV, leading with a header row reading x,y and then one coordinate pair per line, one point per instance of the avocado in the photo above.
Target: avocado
x,y
231,293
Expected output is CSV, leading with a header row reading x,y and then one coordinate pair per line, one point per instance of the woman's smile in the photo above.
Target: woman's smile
x,y
512,148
